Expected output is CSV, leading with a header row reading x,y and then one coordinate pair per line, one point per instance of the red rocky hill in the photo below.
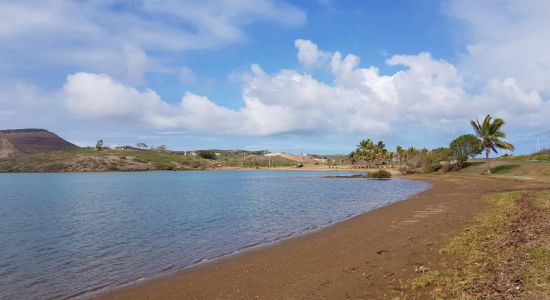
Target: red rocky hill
x,y
22,141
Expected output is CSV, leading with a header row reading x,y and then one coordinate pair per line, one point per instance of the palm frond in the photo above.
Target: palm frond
x,y
485,128
496,125
477,127
492,146
504,145
499,134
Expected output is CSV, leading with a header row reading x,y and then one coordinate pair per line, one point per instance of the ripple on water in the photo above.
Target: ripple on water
x,y
68,235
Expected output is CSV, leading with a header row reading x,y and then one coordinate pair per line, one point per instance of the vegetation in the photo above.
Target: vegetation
x,y
505,254
207,154
375,155
490,135
132,159
99,145
464,147
372,155
380,174
543,155
488,138
368,154
436,159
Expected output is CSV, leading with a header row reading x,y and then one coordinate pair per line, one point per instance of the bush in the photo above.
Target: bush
x,y
436,159
380,174
165,166
464,147
207,154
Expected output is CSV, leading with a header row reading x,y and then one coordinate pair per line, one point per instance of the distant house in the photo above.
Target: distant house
x,y
116,147
217,154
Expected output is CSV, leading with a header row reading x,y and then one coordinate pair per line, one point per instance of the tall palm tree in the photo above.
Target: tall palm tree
x,y
489,135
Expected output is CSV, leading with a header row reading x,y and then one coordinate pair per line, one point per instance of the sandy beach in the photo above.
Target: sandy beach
x,y
368,256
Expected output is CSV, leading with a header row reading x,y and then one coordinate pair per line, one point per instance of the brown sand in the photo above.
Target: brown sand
x,y
369,256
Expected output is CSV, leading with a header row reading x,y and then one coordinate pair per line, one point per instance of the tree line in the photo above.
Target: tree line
x,y
487,137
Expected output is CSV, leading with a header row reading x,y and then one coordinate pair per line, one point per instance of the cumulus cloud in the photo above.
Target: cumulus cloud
x,y
98,96
309,54
505,39
428,92
360,100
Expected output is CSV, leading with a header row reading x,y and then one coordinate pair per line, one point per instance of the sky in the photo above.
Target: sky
x,y
312,76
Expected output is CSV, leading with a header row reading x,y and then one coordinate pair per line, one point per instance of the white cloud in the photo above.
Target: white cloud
x,y
116,37
505,39
504,70
309,54
98,96
427,92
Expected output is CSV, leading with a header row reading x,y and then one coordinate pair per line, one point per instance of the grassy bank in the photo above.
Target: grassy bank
x,y
505,254
87,159
537,170
543,155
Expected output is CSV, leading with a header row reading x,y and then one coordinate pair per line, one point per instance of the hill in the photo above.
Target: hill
x,y
27,141
543,155
38,150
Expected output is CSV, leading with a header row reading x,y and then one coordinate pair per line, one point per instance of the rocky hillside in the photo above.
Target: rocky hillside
x,y
25,141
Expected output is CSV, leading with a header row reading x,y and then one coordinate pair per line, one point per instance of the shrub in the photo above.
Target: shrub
x,y
207,154
435,159
165,166
380,174
464,147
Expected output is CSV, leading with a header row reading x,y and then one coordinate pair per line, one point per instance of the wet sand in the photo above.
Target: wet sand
x,y
368,256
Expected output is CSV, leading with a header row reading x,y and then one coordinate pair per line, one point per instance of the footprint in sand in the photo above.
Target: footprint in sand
x,y
421,214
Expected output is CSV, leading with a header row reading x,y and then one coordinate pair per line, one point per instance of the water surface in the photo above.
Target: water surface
x,y
69,234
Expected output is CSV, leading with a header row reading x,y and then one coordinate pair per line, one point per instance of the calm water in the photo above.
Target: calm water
x,y
67,235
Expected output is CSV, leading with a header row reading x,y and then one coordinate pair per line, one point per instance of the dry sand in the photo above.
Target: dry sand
x,y
369,256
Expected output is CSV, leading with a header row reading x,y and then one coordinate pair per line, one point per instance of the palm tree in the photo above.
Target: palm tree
x,y
489,135
399,154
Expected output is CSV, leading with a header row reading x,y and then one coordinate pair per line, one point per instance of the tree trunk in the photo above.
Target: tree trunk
x,y
487,159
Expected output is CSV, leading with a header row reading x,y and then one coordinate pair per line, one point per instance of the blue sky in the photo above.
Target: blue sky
x,y
296,76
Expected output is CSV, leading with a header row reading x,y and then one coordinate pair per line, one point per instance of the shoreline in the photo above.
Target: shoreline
x,y
289,267
101,291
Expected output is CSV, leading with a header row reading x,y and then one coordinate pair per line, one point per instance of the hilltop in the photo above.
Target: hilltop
x,y
15,142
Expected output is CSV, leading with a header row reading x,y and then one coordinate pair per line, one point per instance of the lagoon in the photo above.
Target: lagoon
x,y
72,234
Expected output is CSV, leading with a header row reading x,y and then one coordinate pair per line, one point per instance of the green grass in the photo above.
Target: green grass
x,y
105,160
473,256
536,277
543,155
514,169
542,200
425,280
88,159
504,169
380,174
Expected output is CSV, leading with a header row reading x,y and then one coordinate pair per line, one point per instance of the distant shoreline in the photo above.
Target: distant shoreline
x,y
394,172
